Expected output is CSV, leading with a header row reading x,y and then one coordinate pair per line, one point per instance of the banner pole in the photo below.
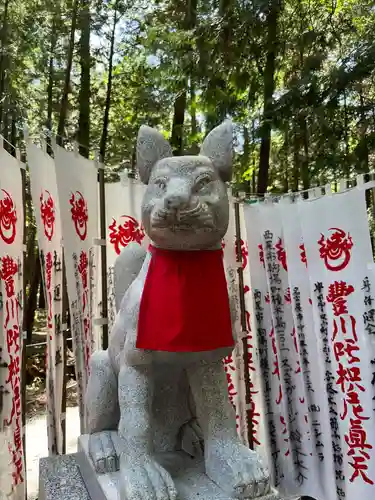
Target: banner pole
x,y
64,331
249,405
103,247
23,340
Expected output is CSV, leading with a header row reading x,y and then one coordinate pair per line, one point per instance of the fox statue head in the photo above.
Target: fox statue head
x,y
185,206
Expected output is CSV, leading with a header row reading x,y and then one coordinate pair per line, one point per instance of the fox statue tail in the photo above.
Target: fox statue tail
x,y
127,267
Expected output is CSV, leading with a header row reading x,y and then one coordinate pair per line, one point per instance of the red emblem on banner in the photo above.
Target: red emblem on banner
x,y
336,249
121,234
281,254
244,253
8,218
303,254
47,214
79,214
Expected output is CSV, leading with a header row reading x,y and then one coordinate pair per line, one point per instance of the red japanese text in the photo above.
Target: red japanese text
x,y
8,271
349,380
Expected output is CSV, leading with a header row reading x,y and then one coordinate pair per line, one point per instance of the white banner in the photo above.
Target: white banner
x,y
315,315
47,215
78,200
124,225
312,361
12,466
270,429
368,290
338,249
234,363
284,398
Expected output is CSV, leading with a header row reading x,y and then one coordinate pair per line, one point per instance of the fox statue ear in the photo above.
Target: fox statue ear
x,y
218,147
151,147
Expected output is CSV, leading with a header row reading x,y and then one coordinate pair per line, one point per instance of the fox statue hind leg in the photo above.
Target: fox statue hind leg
x,y
103,413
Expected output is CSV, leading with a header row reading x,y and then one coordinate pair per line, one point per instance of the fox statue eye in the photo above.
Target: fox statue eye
x,y
202,182
161,183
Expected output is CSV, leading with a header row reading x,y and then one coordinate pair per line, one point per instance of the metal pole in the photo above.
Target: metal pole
x,y
23,340
64,329
103,231
249,405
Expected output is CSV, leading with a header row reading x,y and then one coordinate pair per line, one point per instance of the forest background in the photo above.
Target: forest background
x,y
295,76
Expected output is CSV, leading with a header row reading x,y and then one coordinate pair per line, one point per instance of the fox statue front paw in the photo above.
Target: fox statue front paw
x,y
142,478
237,470
103,452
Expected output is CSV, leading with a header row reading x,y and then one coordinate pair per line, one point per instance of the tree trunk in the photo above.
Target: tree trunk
x,y
296,161
84,92
305,174
346,137
193,117
178,123
31,304
246,151
188,22
6,117
363,152
104,137
42,296
3,58
65,93
268,90
285,158
13,131
50,82
253,180
30,235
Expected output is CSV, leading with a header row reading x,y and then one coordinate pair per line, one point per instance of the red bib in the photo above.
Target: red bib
x,y
185,303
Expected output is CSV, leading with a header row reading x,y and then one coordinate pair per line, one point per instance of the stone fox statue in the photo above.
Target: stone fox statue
x,y
148,385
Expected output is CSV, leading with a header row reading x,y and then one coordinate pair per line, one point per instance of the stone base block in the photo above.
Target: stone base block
x,y
72,477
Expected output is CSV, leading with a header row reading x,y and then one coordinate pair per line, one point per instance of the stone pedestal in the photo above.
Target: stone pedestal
x,y
68,477
72,477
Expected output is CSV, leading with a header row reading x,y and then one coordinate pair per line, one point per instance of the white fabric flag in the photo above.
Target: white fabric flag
x,y
368,290
78,200
234,363
297,473
12,464
124,225
47,215
323,484
275,445
338,249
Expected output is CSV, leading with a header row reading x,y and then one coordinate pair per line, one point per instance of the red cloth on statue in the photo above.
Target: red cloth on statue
x,y
185,303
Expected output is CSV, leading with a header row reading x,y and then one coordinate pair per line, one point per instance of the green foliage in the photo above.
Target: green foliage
x,y
322,115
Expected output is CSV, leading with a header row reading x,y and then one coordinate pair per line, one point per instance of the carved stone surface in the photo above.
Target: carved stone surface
x,y
72,477
188,475
61,477
155,398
